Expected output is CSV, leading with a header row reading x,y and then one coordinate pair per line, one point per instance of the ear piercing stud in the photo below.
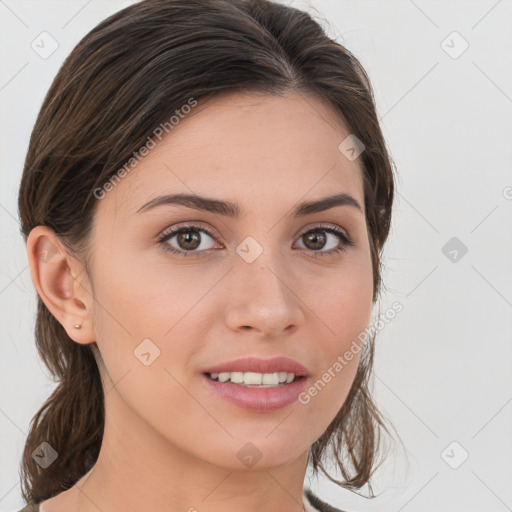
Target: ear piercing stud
x,y
78,326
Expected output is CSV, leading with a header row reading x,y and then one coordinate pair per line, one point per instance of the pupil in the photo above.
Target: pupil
x,y
315,238
189,237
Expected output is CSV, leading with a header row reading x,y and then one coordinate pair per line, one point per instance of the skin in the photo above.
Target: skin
x,y
169,442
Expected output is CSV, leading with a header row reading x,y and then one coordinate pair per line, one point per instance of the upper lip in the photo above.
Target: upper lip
x,y
253,364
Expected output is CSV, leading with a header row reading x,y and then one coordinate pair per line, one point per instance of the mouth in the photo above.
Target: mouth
x,y
256,392
258,385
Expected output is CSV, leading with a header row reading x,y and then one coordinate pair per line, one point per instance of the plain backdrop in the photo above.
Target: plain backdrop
x,y
443,85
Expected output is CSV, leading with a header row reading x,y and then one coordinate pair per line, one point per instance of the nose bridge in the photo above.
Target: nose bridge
x,y
262,293
265,275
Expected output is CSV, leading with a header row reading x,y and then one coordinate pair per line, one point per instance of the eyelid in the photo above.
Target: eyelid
x,y
344,236
314,226
209,230
191,225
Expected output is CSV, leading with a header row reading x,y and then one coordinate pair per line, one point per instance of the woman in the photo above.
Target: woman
x,y
205,199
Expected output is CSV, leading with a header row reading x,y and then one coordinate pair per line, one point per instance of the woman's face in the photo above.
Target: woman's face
x,y
249,285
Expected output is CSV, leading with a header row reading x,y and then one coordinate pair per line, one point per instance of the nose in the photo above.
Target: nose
x,y
262,299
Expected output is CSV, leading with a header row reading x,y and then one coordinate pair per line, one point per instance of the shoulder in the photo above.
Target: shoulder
x,y
317,505
31,507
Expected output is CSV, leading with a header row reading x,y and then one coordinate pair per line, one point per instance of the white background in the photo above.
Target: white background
x,y
443,364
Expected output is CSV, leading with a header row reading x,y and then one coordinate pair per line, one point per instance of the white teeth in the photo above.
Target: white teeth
x,y
254,378
236,377
270,378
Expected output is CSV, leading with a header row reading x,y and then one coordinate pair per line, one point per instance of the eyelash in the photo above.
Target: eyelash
x,y
167,235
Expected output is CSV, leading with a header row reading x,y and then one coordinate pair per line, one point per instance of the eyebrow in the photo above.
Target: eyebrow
x,y
231,209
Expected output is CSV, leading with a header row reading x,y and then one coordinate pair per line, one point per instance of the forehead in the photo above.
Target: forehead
x,y
247,148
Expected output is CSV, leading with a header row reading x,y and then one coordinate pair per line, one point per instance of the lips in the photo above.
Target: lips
x,y
252,364
261,400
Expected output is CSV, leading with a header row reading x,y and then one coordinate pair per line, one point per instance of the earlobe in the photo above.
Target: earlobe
x,y
58,279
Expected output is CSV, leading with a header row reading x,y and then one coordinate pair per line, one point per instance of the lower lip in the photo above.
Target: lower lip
x,y
258,399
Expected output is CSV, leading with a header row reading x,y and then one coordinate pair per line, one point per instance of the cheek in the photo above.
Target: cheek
x,y
136,297
342,302
343,307
134,309
137,301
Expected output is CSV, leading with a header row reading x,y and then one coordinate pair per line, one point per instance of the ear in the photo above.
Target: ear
x,y
62,283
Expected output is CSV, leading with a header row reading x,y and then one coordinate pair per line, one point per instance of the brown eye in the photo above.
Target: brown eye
x,y
193,241
314,240
190,240
318,238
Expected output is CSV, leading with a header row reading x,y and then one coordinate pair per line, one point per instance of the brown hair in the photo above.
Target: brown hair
x,y
127,76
